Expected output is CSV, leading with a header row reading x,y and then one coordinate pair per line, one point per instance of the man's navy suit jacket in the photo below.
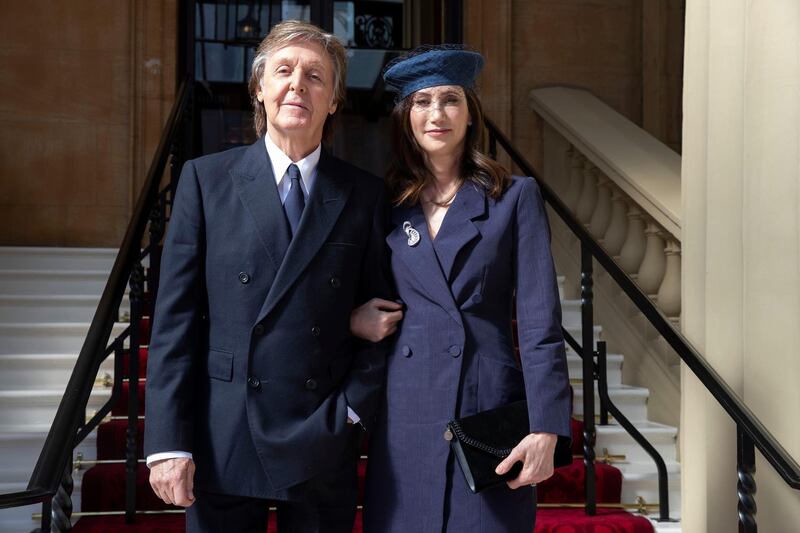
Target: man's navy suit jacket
x,y
251,365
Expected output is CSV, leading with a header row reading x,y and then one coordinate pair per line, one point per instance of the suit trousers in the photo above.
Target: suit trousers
x,y
324,504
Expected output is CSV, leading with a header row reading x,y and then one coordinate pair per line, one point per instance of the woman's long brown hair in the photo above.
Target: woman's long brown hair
x,y
408,174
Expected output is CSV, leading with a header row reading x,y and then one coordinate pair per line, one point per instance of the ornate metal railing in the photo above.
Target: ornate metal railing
x,y
51,481
751,433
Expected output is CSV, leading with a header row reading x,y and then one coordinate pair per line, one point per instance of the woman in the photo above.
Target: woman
x,y
466,236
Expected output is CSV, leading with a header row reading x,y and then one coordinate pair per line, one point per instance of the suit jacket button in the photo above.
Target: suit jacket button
x,y
455,351
336,282
315,331
244,277
311,384
407,351
259,329
253,383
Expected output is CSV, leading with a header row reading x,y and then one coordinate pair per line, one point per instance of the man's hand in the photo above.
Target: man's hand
x,y
536,453
173,481
376,319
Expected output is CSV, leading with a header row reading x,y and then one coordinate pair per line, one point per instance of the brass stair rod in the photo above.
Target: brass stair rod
x,y
107,380
116,417
79,464
606,458
641,506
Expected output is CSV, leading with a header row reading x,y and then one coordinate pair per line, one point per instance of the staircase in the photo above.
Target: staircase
x,y
639,478
48,297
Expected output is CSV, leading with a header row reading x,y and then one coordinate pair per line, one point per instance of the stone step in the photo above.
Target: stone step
x,y
50,337
51,308
20,448
665,527
571,312
632,401
55,258
32,282
560,280
41,371
645,485
577,332
35,407
614,438
614,368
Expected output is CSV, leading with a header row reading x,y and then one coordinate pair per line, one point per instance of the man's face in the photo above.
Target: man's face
x,y
297,91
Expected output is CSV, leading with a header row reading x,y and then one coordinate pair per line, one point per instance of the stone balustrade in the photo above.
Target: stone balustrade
x,y
621,183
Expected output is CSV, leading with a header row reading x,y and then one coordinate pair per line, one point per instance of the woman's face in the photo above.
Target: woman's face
x,y
439,118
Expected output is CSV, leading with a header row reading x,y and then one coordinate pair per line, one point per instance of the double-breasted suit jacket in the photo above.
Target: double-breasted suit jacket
x,y
251,364
454,356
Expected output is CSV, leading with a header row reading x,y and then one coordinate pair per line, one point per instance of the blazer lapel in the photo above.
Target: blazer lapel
x,y
325,204
252,177
421,259
458,228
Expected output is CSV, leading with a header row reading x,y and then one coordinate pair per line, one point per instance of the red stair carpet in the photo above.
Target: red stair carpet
x,y
103,488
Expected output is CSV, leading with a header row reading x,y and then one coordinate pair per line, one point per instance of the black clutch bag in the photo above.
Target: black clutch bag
x,y
481,441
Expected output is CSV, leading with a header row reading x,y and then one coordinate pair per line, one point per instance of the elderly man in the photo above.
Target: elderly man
x,y
255,386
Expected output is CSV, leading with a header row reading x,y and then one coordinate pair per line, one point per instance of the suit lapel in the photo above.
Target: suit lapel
x,y
325,204
458,228
252,177
421,259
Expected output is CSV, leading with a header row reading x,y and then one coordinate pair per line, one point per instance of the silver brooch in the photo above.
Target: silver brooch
x,y
413,235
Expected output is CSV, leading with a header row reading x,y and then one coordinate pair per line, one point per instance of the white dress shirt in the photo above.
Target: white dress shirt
x,y
308,175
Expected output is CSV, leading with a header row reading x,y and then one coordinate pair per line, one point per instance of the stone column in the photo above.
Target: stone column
x,y
740,244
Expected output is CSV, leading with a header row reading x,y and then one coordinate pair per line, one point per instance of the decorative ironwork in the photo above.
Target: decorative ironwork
x,y
622,420
746,484
61,510
136,284
157,222
587,327
131,452
376,30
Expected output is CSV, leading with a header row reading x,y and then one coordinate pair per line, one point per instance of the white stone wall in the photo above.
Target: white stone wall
x,y
741,248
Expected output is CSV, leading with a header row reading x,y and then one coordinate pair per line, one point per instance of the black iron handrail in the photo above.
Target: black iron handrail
x,y
751,430
68,423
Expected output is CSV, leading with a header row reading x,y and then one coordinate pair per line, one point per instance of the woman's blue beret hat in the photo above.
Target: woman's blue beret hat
x,y
430,67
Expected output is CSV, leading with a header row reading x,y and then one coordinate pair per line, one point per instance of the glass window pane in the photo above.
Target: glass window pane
x,y
296,10
221,63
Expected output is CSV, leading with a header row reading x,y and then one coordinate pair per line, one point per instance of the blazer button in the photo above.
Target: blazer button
x,y
253,383
259,329
407,351
315,331
311,384
336,282
455,351
244,277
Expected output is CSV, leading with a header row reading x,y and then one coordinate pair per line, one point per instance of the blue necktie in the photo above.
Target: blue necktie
x,y
295,202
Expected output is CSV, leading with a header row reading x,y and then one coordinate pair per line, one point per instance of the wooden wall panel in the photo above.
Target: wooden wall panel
x,y
75,124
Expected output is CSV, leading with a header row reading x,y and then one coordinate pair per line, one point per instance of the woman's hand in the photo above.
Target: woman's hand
x,y
376,319
536,453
